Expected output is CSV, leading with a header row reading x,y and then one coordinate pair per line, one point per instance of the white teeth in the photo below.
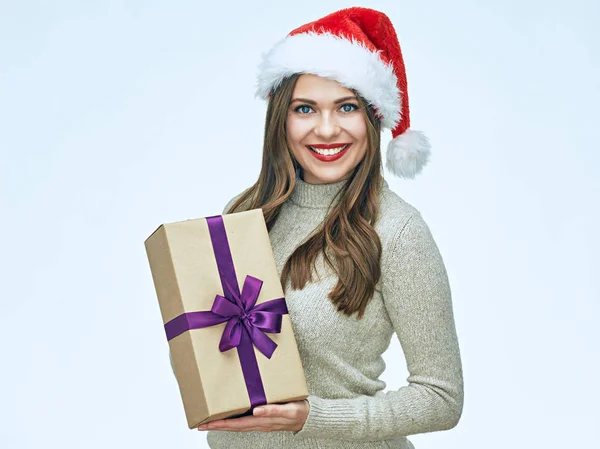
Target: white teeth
x,y
329,152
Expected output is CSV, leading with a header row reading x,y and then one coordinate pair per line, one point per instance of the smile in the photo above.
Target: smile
x,y
329,151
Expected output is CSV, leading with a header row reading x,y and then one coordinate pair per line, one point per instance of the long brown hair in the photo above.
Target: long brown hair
x,y
347,238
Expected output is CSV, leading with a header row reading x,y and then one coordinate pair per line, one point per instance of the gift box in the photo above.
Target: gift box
x,y
224,313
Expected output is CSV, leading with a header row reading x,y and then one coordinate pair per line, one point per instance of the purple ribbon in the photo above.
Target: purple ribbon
x,y
246,321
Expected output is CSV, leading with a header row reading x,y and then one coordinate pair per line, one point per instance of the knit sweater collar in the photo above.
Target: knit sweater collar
x,y
317,196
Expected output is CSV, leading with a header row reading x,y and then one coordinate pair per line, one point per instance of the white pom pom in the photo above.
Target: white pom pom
x,y
408,153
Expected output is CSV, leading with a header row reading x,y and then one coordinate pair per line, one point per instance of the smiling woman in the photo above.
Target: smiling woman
x,y
358,264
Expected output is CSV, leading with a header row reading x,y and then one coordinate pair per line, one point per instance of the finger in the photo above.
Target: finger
x,y
267,411
285,411
245,424
235,423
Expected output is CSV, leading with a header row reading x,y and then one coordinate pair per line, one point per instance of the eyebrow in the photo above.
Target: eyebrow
x,y
306,100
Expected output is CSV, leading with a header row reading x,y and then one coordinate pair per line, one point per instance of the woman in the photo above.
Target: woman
x,y
358,263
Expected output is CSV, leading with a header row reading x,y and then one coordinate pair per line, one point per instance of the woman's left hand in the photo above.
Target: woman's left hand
x,y
274,417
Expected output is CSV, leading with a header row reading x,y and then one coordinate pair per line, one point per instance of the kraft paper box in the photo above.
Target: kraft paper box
x,y
207,274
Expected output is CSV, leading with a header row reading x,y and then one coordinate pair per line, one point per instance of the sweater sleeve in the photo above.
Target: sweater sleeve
x,y
417,298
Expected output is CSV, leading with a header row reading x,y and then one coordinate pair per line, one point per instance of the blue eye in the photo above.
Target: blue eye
x,y
304,109
349,107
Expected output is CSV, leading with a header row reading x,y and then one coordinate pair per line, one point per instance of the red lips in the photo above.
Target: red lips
x,y
332,157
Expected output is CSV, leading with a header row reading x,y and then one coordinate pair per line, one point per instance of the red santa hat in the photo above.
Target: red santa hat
x,y
358,48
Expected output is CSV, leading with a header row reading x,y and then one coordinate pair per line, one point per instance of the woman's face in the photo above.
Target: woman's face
x,y
326,131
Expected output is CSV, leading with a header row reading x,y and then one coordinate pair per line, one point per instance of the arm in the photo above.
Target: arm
x,y
417,297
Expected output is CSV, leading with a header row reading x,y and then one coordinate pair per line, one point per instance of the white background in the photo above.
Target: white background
x,y
118,116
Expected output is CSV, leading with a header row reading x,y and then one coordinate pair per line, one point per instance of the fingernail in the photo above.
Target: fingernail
x,y
259,411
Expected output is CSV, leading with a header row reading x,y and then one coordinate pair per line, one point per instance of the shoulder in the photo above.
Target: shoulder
x,y
233,200
394,215
402,229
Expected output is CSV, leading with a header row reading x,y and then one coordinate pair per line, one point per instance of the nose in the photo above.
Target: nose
x,y
327,126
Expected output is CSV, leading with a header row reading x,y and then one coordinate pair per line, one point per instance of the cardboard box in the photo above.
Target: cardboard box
x,y
192,262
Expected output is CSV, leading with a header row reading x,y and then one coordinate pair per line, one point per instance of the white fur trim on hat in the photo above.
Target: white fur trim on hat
x,y
408,153
344,60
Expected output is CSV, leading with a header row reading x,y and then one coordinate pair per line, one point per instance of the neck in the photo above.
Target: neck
x,y
318,196
309,179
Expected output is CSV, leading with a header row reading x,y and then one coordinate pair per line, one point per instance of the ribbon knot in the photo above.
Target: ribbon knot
x,y
241,310
241,313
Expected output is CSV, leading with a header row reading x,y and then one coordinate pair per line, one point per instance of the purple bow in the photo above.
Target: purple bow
x,y
239,312
256,319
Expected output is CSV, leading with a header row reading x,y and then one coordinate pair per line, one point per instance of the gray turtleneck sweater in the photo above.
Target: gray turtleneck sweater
x,y
342,356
